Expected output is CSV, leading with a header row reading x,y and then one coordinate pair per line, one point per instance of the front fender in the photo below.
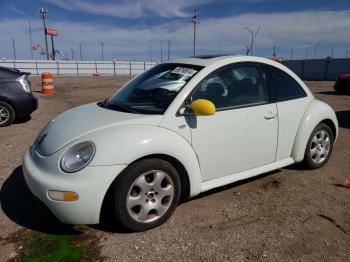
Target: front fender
x,y
315,113
125,144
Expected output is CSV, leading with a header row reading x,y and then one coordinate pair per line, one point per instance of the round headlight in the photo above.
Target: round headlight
x,y
77,157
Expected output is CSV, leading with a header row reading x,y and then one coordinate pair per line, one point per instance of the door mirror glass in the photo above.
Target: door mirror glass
x,y
202,107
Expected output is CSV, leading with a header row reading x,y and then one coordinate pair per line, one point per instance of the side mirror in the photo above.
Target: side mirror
x,y
202,107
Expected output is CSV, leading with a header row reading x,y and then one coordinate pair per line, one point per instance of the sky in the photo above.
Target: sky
x,y
134,29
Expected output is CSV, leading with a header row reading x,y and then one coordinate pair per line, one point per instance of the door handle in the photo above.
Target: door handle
x,y
270,115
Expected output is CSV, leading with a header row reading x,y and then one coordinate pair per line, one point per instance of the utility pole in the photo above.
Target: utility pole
x,y
14,49
332,54
195,21
291,53
168,50
72,53
317,45
30,38
274,51
253,37
102,45
161,51
306,55
150,54
43,16
346,53
81,54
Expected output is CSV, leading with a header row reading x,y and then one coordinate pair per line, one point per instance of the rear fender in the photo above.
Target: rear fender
x,y
315,113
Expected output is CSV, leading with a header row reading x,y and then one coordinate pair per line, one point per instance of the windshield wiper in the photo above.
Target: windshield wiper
x,y
122,107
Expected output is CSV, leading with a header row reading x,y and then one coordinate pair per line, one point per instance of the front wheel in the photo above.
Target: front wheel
x,y
146,194
319,147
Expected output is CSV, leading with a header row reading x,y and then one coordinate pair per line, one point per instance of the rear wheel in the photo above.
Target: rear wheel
x,y
146,194
319,147
7,114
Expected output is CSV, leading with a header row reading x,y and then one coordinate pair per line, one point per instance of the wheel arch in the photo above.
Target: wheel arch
x,y
8,101
180,168
316,113
332,126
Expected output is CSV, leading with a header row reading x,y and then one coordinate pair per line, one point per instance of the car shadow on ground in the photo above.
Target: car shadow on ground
x,y
22,120
343,118
230,186
333,93
23,208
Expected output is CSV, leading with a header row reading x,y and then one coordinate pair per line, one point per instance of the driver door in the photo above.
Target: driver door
x,y
242,134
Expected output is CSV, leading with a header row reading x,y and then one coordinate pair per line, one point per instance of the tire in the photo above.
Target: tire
x,y
7,114
146,194
319,147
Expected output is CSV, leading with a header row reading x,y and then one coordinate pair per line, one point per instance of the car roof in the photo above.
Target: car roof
x,y
207,60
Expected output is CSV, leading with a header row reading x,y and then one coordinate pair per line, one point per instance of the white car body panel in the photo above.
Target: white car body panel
x,y
235,146
246,174
315,113
290,114
83,120
214,150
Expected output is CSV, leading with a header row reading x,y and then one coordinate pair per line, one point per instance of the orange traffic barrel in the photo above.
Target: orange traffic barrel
x,y
47,83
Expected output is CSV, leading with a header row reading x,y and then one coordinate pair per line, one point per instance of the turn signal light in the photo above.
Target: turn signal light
x,y
67,196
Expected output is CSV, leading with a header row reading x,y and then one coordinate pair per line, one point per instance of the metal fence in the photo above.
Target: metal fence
x,y
319,69
109,68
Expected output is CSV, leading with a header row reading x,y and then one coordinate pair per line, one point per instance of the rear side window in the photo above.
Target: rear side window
x,y
285,87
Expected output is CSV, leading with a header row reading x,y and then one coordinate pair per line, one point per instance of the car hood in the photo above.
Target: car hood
x,y
84,120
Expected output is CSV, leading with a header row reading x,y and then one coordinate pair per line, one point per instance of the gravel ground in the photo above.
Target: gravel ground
x,y
287,215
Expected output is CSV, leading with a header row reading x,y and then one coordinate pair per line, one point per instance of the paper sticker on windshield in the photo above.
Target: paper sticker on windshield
x,y
184,71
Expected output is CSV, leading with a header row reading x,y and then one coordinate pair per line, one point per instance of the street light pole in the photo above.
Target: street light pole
x,y
195,21
81,54
150,54
102,45
161,51
14,49
43,16
30,38
317,45
168,50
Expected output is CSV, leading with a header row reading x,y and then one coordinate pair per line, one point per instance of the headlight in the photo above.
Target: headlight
x,y
24,83
77,157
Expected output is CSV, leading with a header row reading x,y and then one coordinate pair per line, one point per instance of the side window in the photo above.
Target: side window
x,y
234,86
285,87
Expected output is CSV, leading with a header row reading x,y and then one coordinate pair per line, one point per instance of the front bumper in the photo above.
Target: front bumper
x,y
91,184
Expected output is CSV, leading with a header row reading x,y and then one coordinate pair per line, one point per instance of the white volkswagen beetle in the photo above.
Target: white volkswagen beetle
x,y
179,129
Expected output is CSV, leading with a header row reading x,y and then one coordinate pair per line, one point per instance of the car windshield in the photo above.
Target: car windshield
x,y
154,90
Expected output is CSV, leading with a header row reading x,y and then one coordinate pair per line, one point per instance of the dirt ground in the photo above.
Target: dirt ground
x,y
287,215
